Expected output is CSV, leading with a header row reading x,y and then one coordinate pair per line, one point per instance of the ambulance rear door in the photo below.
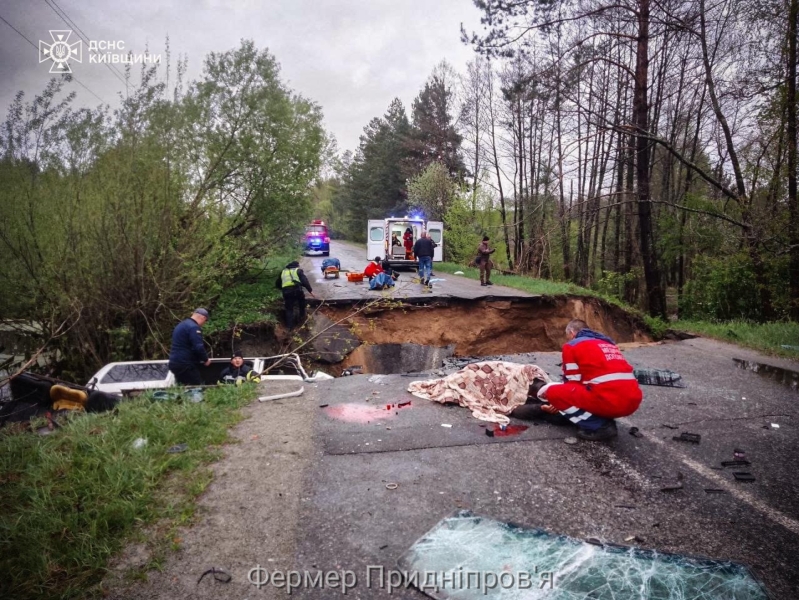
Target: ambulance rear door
x,y
436,231
376,239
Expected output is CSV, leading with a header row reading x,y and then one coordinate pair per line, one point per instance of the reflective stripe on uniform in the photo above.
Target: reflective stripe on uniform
x,y
575,415
572,367
612,377
574,377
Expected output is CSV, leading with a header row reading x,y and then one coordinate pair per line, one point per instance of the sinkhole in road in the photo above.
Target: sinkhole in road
x,y
414,337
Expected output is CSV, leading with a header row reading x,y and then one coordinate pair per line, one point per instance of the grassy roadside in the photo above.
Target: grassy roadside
x,y
528,284
72,499
764,337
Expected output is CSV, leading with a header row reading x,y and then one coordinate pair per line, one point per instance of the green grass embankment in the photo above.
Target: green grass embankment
x,y
72,499
769,338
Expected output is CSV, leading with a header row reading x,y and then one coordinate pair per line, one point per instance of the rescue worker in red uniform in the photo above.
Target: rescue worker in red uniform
x,y
407,241
599,385
373,268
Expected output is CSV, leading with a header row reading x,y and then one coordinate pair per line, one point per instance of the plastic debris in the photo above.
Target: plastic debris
x,y
691,438
446,425
458,273
139,443
219,575
570,440
392,486
775,426
319,376
634,538
178,448
194,394
673,487
298,392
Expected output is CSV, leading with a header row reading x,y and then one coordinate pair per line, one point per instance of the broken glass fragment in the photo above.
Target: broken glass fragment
x,y
558,567
661,377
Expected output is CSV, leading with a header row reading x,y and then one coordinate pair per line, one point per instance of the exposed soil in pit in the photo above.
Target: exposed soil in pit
x,y
484,327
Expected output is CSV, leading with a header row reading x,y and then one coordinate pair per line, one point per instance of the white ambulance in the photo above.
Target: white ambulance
x,y
381,232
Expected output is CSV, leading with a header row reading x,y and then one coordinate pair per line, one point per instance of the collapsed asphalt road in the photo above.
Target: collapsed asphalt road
x,y
306,487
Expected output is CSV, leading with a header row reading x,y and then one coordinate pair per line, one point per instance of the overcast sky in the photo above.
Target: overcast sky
x,y
352,57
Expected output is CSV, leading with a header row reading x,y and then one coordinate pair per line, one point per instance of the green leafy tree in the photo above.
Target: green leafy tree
x,y
432,191
117,224
463,235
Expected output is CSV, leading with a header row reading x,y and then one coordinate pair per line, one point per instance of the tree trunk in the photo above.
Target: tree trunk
x,y
793,204
656,299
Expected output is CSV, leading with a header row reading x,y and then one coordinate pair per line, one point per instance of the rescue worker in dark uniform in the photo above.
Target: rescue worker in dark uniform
x,y
188,352
291,281
237,370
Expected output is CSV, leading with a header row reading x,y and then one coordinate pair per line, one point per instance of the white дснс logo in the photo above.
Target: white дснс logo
x,y
60,51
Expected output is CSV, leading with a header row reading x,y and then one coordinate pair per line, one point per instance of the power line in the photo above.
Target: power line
x,y
75,79
82,35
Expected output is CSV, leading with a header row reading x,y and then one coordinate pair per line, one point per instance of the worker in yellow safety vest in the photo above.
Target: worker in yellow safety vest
x,y
291,281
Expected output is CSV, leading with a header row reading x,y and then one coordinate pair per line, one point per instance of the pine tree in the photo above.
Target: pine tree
x,y
374,184
433,137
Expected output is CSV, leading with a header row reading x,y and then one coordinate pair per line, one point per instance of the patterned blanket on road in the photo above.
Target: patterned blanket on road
x,y
490,389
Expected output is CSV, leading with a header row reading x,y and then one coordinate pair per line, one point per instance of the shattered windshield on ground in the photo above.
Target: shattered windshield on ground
x,y
563,568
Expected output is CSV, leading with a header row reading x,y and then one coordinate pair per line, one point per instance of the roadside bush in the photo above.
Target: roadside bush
x,y
462,237
616,285
723,289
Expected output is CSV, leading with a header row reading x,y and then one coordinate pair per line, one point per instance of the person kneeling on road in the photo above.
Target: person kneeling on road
x,y
238,371
291,281
373,268
599,386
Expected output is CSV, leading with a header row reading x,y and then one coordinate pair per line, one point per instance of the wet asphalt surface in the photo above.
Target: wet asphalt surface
x,y
611,491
